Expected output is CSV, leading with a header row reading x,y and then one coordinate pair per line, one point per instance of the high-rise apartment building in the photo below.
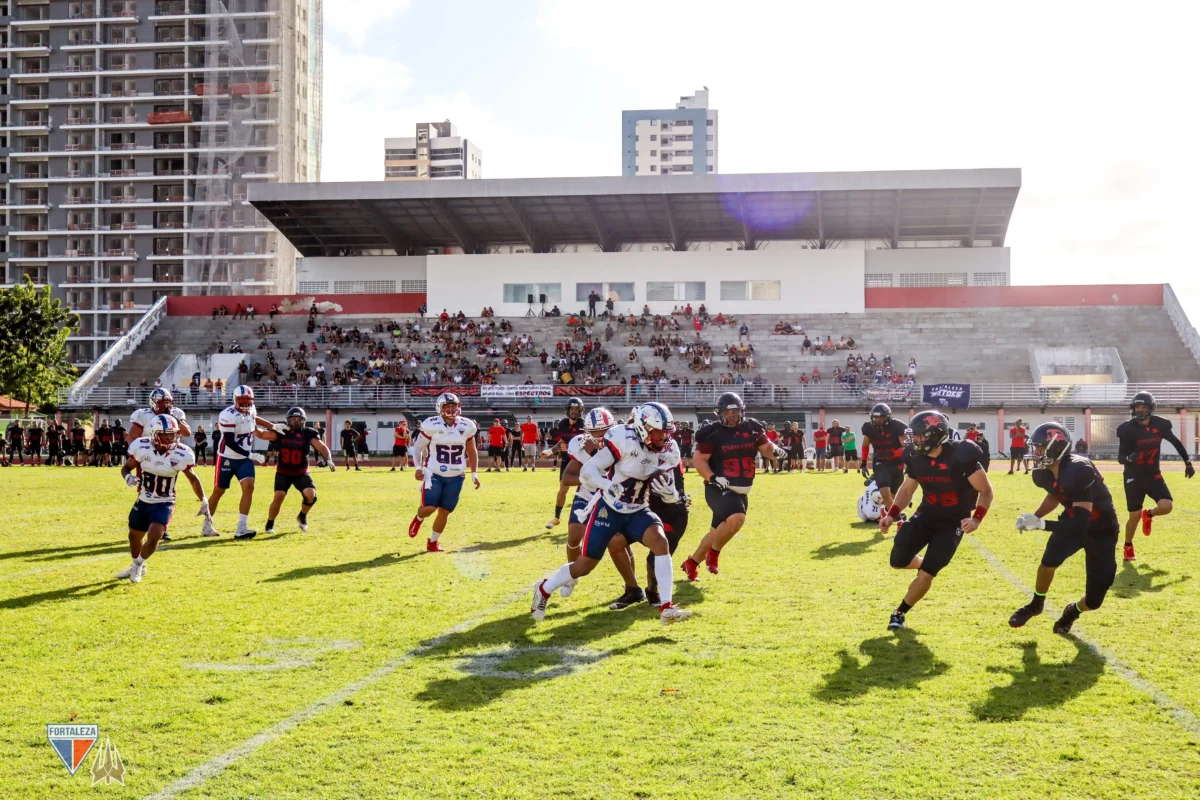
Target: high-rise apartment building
x,y
436,152
129,131
671,141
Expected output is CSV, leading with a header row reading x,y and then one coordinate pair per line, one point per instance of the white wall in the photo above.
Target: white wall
x,y
360,268
812,281
939,259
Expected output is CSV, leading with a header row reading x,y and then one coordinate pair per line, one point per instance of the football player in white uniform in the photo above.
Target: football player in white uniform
x,y
158,459
637,454
161,402
870,505
445,450
235,458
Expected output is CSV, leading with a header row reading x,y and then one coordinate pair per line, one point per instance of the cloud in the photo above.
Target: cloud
x,y
355,19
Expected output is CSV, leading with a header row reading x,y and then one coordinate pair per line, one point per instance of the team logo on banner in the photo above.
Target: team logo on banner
x,y
72,743
947,395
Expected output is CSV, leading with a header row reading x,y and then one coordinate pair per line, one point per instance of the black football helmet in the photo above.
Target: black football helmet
x,y
296,418
928,431
730,409
1142,399
1051,443
574,409
880,414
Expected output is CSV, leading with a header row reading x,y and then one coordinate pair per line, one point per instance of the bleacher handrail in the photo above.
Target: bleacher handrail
x,y
1178,317
808,397
81,390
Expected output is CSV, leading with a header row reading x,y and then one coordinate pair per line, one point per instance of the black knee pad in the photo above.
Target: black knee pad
x,y
1097,588
310,503
900,559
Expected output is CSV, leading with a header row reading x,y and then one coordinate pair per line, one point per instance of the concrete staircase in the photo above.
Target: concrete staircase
x,y
955,345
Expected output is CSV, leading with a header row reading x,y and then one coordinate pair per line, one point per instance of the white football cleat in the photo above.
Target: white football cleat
x,y
207,529
540,598
127,572
568,587
303,525
552,524
137,574
669,614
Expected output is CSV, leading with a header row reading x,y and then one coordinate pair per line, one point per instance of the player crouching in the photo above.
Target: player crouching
x,y
955,497
159,458
618,513
445,449
292,470
870,505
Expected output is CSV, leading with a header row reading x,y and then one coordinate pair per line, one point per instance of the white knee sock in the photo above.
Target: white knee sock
x,y
662,574
560,578
433,537
243,521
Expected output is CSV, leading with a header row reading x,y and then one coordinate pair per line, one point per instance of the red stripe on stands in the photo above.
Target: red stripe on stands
x,y
202,306
1131,294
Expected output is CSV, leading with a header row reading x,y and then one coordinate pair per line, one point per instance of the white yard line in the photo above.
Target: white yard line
x,y
216,765
1186,719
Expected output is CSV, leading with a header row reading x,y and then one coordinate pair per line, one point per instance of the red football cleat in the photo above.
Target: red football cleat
x,y
691,568
433,547
414,527
1129,555
1147,521
710,561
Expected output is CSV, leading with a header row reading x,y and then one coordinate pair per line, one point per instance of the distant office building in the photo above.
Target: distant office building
x,y
671,141
436,152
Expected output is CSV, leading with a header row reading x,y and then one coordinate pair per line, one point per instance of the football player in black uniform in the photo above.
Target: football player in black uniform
x,y
725,450
793,442
955,497
567,429
1088,523
292,469
887,435
1139,445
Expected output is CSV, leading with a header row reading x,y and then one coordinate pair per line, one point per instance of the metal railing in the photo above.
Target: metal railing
x,y
80,391
1098,396
1178,317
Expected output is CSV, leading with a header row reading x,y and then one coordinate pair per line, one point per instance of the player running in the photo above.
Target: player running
x,y
235,458
955,497
292,470
1088,523
725,450
567,429
399,447
887,435
1139,447
445,449
635,455
158,457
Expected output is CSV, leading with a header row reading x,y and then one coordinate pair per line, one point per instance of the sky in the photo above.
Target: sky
x,y
1096,103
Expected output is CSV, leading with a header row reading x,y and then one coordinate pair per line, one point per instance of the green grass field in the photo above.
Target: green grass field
x,y
422,675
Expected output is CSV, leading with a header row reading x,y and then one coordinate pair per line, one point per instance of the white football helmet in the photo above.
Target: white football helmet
x,y
161,401
243,399
448,406
597,421
164,430
653,424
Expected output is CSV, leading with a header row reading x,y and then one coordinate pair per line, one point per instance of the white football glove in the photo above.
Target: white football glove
x,y
778,453
664,486
204,512
547,453
721,482
132,481
1030,522
258,458
279,428
612,493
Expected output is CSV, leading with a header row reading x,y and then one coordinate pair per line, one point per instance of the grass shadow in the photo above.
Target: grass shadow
x,y
480,655
70,593
502,545
385,560
1038,684
1133,580
855,548
893,662
98,548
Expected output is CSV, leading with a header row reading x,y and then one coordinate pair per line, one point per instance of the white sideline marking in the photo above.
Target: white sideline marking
x,y
1181,715
215,765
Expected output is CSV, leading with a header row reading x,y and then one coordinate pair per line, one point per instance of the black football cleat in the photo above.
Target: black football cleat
x,y
652,597
896,622
166,537
1063,626
1023,615
631,597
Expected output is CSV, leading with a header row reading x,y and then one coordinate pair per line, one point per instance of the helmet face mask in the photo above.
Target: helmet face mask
x,y
296,418
243,399
165,432
653,424
928,431
161,401
448,407
730,409
597,423
574,409
1142,406
880,414
1051,443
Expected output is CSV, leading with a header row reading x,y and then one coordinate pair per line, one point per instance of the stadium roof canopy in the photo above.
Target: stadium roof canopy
x,y
822,207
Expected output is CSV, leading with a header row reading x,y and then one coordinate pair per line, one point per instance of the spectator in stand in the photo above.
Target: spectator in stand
x,y
816,376
592,299
274,310
743,332
1016,447
912,368
841,343
805,346
250,312
828,345
237,311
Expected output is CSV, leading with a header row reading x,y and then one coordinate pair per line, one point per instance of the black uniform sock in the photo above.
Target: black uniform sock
x,y
1038,601
903,608
303,516
558,512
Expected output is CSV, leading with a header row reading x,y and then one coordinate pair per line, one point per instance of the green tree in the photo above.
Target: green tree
x,y
33,344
